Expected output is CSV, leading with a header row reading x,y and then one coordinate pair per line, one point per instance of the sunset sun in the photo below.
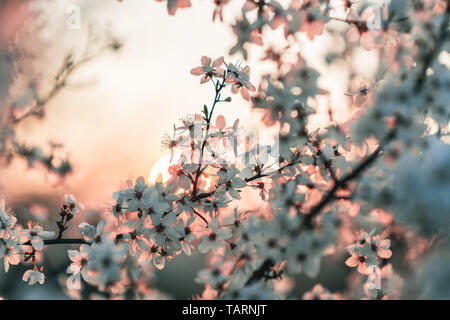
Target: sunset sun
x,y
160,170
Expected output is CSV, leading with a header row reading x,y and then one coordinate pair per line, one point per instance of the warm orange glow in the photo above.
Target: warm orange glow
x,y
160,170
160,173
206,181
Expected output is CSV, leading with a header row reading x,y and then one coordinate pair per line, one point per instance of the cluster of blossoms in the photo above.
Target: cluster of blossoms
x,y
382,167
19,244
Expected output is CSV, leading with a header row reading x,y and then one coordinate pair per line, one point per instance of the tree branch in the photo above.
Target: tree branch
x,y
60,241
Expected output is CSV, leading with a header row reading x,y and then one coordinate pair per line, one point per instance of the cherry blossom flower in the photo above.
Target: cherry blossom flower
x,y
269,241
147,249
229,182
71,204
118,209
34,276
361,240
361,261
239,218
302,256
215,237
93,234
179,177
168,143
7,221
35,234
78,266
207,70
155,202
214,204
164,255
380,247
9,251
214,276
138,196
240,79
186,234
151,252
104,261
162,229
192,123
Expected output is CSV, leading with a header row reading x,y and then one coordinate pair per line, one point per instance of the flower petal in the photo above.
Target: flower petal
x,y
37,243
352,261
218,62
198,71
206,61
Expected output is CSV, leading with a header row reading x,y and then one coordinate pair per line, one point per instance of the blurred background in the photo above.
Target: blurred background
x,y
109,118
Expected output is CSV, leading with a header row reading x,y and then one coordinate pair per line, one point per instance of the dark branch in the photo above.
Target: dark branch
x,y
60,241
